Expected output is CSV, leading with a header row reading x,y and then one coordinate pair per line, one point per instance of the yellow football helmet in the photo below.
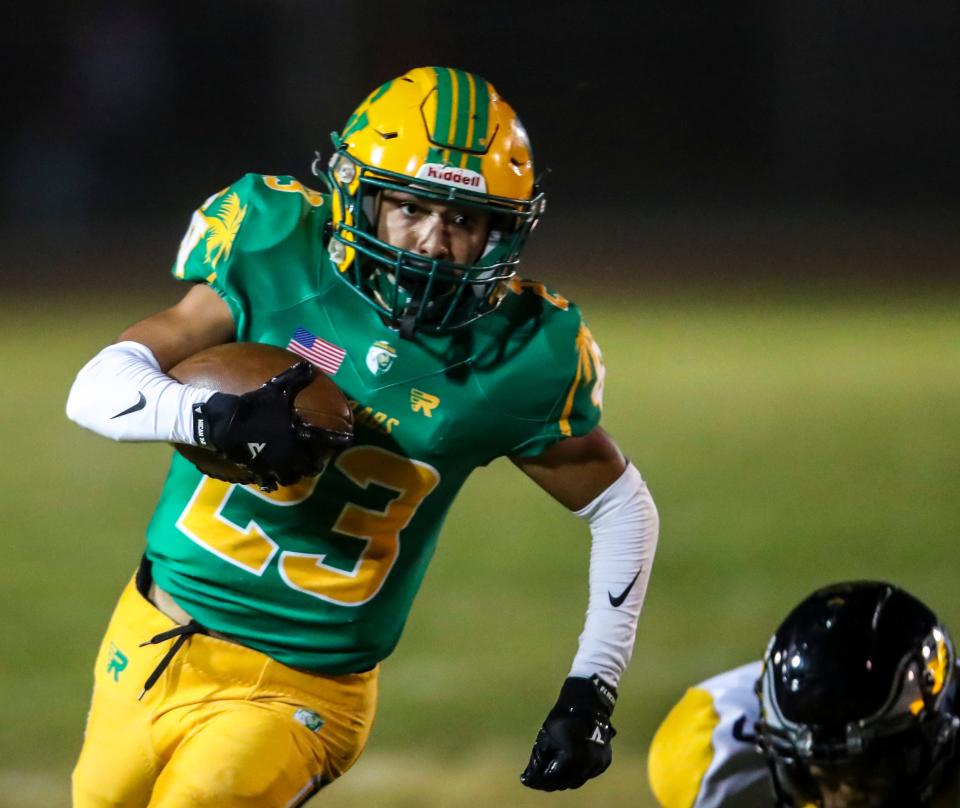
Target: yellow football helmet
x,y
444,135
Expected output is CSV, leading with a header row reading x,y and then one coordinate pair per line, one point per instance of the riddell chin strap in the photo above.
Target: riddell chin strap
x,y
406,326
182,633
408,318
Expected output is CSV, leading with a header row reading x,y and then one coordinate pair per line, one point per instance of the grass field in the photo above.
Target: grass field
x,y
789,440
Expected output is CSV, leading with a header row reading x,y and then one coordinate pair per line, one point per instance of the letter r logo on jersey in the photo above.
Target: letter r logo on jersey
x,y
423,402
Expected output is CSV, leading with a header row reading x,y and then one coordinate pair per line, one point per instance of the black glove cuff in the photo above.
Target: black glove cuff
x,y
593,694
212,419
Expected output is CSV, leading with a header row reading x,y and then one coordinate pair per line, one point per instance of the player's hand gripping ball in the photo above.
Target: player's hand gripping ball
x,y
274,419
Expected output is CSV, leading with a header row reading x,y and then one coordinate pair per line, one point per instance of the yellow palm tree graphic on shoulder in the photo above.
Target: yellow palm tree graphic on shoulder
x,y
591,361
222,229
589,367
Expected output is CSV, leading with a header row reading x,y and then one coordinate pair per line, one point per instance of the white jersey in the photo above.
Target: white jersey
x,y
698,758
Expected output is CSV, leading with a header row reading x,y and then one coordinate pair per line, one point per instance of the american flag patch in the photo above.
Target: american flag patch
x,y
325,355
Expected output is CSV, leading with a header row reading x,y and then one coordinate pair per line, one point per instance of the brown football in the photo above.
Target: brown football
x,y
238,367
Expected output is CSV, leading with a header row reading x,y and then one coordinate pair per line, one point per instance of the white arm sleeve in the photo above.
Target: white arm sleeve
x,y
122,394
624,525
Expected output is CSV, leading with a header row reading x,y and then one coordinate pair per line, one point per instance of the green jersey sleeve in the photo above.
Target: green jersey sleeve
x,y
238,234
551,387
577,410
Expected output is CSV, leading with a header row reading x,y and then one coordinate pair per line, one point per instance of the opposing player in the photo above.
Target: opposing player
x,y
241,664
853,704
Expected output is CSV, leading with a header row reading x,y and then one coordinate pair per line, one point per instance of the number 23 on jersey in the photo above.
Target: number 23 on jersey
x,y
251,548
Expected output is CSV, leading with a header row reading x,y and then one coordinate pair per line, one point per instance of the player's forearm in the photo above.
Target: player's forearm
x,y
122,394
624,525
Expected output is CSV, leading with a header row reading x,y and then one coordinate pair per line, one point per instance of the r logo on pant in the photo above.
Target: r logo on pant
x,y
118,661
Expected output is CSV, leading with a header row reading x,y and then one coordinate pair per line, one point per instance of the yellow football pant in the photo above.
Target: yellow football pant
x,y
225,725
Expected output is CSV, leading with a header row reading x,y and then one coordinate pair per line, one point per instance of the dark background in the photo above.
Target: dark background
x,y
794,140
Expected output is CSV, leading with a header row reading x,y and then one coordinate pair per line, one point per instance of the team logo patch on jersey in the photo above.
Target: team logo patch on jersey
x,y
117,663
451,175
380,357
423,402
325,355
309,719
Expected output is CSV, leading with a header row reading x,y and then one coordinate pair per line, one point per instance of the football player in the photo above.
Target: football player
x,y
853,704
240,666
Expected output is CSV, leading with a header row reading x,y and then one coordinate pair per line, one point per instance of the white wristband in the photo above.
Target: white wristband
x,y
122,394
624,525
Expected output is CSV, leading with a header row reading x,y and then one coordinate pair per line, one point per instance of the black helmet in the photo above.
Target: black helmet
x,y
857,699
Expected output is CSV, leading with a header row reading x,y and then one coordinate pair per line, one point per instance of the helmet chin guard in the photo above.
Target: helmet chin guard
x,y
444,136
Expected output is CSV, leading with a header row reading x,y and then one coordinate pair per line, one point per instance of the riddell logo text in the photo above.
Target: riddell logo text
x,y
448,175
452,175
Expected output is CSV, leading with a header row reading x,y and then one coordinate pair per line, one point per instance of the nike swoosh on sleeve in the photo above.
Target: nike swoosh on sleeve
x,y
138,406
615,601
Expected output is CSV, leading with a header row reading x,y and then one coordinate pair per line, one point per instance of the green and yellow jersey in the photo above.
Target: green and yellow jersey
x,y
321,574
